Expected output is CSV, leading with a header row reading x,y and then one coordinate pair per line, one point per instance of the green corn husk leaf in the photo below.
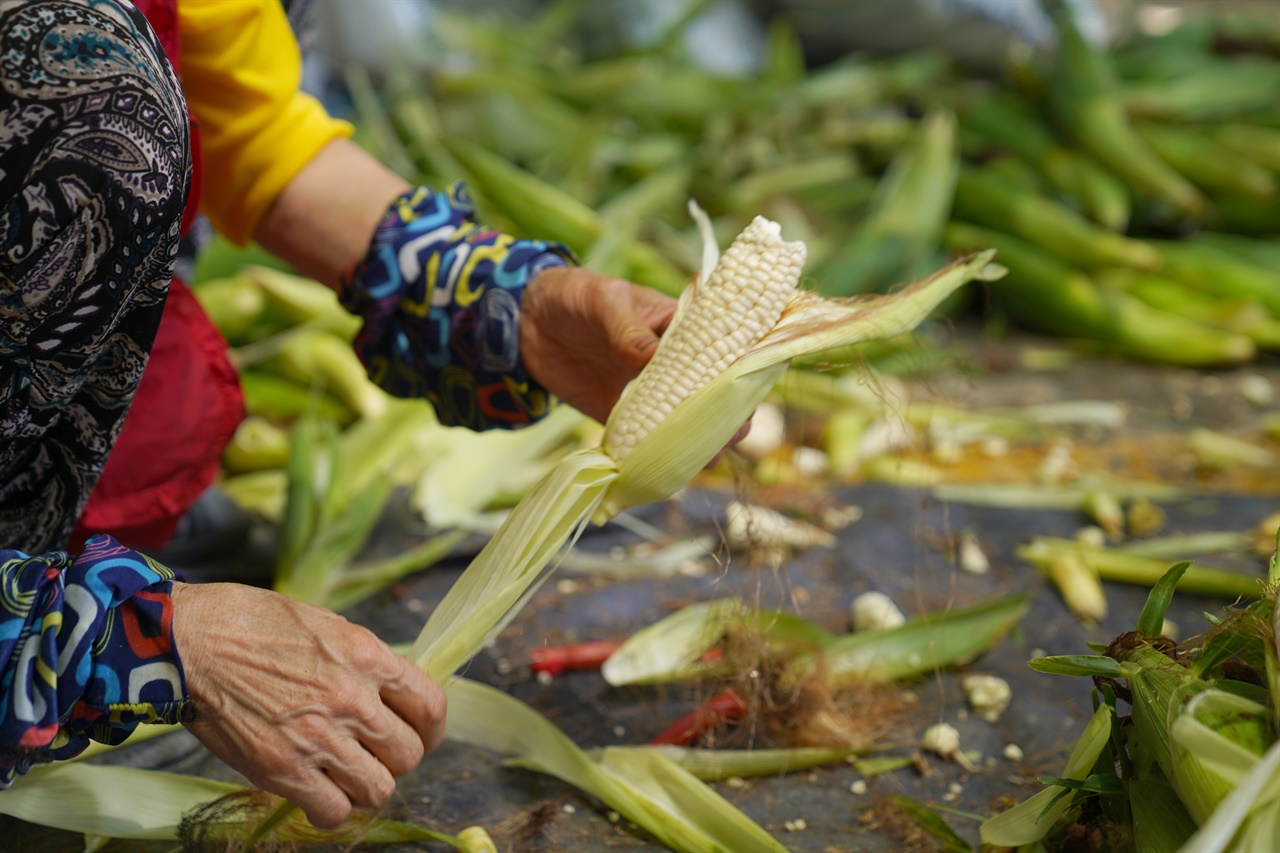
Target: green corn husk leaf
x,y
1249,817
1227,733
1160,822
1168,547
1018,496
1089,666
668,650
335,543
1151,620
931,822
148,805
312,461
384,446
644,786
283,401
497,578
920,646
1213,747
534,205
118,802
357,582
591,485
464,480
1115,565
1032,819
1273,646
716,765
663,562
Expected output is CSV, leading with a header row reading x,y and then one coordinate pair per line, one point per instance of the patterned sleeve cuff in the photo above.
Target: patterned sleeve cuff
x,y
440,296
92,655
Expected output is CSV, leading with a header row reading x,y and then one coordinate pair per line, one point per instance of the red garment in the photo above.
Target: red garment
x,y
188,404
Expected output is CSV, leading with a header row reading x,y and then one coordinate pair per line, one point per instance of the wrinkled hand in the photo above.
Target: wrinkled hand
x,y
584,336
299,700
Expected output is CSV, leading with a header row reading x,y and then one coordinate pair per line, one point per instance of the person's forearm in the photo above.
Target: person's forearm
x,y
323,221
86,648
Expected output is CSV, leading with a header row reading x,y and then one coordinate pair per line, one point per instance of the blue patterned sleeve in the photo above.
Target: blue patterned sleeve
x,y
87,650
440,296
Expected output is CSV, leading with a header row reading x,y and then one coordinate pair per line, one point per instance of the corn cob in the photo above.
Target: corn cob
x,y
1212,271
1100,194
742,299
257,445
1208,164
1085,104
1050,295
987,200
235,305
1257,144
281,400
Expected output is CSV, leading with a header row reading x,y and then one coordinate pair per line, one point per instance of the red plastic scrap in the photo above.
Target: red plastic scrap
x,y
554,660
726,707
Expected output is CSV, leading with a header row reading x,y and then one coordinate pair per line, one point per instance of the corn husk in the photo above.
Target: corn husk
x,y
669,649
149,805
715,765
1032,819
644,786
921,645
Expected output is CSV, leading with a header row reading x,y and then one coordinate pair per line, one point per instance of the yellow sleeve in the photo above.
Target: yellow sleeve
x,y
240,72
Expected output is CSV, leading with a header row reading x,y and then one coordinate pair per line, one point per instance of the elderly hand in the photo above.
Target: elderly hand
x,y
299,700
584,335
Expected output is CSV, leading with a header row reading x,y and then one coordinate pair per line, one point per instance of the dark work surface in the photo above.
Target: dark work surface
x,y
895,548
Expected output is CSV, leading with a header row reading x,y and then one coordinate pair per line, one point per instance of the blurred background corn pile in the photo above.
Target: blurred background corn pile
x,y
1132,192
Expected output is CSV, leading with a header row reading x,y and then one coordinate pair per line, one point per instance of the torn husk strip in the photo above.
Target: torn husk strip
x,y
715,765
1116,565
1216,450
1019,496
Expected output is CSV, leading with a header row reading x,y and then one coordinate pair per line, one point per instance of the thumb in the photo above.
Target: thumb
x,y
635,343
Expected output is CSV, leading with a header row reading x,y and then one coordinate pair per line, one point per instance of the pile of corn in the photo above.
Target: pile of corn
x,y
1133,195
1195,765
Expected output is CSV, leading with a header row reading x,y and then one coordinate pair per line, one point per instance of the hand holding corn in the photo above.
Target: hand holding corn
x,y
302,702
584,335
